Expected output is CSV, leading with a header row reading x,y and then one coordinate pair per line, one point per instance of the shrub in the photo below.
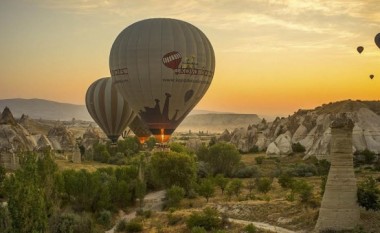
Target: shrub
x,y
250,229
206,189
304,190
174,196
368,194
173,219
134,226
285,180
198,230
234,187
121,226
323,167
303,170
259,159
221,181
247,172
264,184
254,149
104,218
298,147
208,219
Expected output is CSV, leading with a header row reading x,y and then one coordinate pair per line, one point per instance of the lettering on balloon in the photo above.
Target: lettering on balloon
x,y
174,61
122,71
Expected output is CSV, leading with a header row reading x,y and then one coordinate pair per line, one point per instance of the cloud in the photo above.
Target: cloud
x,y
315,24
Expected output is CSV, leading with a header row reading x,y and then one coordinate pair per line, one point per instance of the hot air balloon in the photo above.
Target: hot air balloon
x,y
140,129
162,67
360,49
377,40
108,108
371,76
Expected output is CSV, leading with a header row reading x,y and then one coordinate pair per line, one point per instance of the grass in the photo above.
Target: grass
x,y
91,166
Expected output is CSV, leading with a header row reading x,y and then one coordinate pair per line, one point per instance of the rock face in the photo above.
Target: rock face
x,y
7,117
311,128
61,138
339,209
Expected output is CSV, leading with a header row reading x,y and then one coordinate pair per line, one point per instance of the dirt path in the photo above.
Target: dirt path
x,y
152,201
262,225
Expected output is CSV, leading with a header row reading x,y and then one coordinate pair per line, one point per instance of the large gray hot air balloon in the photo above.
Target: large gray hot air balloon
x,y
163,67
108,108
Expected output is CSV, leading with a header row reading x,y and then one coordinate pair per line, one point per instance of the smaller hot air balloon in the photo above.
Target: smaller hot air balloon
x,y
371,76
360,49
377,40
140,129
108,108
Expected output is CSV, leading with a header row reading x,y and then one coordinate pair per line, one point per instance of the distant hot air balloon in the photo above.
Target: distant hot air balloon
x,y
371,76
108,108
360,49
140,129
162,67
377,40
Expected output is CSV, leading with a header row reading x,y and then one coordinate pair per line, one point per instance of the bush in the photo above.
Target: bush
x,y
208,219
264,184
304,190
134,226
368,194
234,187
121,226
254,149
246,172
285,180
173,219
250,229
221,181
104,218
198,230
174,196
303,170
259,159
323,167
206,189
298,147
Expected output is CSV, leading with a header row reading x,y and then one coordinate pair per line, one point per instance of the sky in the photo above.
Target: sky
x,y
272,57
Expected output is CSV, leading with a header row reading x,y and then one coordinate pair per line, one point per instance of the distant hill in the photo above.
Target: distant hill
x,y
45,109
51,110
217,122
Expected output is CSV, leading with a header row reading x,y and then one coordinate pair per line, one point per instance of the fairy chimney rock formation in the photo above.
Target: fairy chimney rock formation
x,y
339,209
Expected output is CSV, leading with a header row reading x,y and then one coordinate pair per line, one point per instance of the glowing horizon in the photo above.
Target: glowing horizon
x,y
272,58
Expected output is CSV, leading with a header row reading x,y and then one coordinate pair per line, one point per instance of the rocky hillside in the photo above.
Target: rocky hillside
x,y
217,122
27,134
311,128
46,109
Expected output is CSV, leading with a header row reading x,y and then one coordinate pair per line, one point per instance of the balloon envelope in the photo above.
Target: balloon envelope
x,y
360,49
108,108
377,40
163,67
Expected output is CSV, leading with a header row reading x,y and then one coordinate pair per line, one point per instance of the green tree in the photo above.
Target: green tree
x,y
129,146
221,181
368,194
223,158
206,188
172,168
264,184
25,194
285,180
208,219
5,220
177,147
304,190
174,195
234,187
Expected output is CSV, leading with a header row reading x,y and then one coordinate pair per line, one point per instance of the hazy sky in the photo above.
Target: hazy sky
x,y
272,57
